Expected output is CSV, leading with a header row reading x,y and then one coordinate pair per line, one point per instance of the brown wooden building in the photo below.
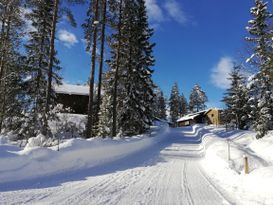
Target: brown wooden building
x,y
210,117
75,97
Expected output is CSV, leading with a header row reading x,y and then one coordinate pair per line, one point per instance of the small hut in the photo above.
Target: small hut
x,y
75,97
210,116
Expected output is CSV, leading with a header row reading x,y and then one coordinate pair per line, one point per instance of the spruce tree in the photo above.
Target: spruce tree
x,y
236,99
106,110
263,123
183,105
136,115
198,99
174,103
261,86
159,108
130,70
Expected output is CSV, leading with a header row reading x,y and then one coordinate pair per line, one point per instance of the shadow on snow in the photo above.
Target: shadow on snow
x,y
159,153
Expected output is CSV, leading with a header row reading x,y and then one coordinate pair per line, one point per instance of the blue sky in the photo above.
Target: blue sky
x,y
197,40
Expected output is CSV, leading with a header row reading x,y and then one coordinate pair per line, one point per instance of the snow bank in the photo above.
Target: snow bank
x,y
264,147
257,186
74,154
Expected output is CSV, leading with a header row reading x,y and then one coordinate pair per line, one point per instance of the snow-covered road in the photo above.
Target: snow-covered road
x,y
168,173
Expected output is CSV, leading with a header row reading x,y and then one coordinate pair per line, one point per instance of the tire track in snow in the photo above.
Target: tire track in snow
x,y
171,176
143,189
83,191
186,185
203,190
110,186
216,188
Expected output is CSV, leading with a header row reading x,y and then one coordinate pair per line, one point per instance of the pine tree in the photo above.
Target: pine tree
x,y
116,45
58,9
91,34
103,21
198,99
236,99
37,48
11,65
261,86
174,103
159,107
183,105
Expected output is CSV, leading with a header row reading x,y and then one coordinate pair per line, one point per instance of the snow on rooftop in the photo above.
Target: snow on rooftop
x,y
72,89
188,117
191,116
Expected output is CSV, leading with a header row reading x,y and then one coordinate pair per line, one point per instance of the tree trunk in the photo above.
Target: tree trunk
x,y
2,40
103,24
3,71
37,109
51,55
2,48
114,128
92,75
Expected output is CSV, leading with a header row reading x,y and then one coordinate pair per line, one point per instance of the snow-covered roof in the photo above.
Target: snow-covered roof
x,y
194,115
188,117
72,89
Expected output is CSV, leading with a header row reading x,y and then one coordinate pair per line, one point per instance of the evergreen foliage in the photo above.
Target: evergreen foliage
x,y
236,99
174,103
132,71
11,66
159,108
37,48
183,105
261,86
198,99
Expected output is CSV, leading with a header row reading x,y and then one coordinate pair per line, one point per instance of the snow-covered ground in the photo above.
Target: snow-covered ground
x,y
172,166
253,188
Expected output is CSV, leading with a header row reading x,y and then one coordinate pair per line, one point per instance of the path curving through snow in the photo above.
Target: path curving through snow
x,y
167,173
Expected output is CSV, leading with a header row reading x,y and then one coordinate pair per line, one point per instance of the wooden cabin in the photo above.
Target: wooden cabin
x,y
75,97
209,117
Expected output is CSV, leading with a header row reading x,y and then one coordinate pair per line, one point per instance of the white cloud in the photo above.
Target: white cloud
x,y
154,11
69,39
169,10
175,11
220,73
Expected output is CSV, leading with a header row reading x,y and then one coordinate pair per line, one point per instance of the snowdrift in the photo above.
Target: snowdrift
x,y
74,154
253,188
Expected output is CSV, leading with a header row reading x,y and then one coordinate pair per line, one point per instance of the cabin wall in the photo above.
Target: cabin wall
x,y
78,103
213,117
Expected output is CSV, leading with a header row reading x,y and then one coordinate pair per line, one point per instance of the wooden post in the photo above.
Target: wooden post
x,y
246,165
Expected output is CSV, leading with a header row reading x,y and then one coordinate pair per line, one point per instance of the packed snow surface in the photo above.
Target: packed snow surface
x,y
172,166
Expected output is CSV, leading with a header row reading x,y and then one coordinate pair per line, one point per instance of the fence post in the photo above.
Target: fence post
x,y
246,165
